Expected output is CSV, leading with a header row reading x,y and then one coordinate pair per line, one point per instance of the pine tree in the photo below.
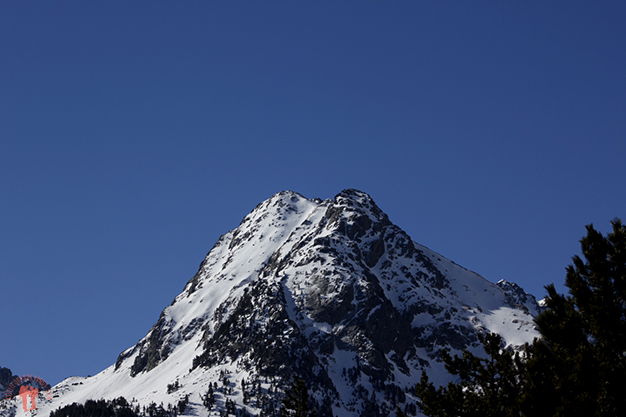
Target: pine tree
x,y
296,400
578,368
486,386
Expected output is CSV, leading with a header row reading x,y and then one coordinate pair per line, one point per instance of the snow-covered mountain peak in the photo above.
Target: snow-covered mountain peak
x,y
280,205
358,203
330,291
355,198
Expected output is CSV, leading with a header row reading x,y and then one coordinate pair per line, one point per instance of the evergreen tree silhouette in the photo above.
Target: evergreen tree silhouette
x,y
296,400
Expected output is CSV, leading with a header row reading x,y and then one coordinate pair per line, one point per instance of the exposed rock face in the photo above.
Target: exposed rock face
x,y
330,291
6,376
517,297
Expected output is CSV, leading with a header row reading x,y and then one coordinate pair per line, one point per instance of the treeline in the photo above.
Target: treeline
x,y
120,407
576,368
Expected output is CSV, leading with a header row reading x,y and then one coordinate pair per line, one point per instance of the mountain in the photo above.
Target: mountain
x,y
328,291
6,376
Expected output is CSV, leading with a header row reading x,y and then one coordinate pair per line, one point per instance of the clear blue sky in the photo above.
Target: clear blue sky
x,y
133,134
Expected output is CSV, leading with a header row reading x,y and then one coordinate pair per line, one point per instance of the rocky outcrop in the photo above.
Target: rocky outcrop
x,y
6,376
518,298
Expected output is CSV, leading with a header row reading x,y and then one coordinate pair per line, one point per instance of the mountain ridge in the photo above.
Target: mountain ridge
x,y
330,291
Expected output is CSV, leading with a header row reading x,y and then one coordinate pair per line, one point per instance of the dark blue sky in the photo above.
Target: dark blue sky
x,y
133,134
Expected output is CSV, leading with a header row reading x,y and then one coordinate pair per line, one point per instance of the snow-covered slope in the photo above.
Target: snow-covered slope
x,y
330,291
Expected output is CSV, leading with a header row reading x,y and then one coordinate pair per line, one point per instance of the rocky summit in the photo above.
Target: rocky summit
x,y
328,291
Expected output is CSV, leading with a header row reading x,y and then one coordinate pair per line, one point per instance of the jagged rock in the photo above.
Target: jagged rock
x,y
6,376
517,297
